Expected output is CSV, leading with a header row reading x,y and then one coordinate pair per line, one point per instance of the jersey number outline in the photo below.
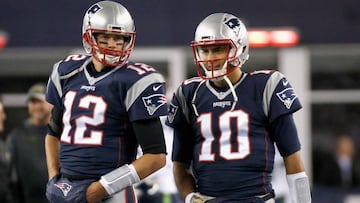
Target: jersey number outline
x,y
95,137
141,68
242,136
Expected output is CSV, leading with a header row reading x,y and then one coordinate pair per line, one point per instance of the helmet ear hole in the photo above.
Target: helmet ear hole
x,y
243,49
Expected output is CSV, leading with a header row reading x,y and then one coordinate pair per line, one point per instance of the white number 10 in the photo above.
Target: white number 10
x,y
242,136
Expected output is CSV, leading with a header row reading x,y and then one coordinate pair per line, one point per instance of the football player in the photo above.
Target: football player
x,y
226,122
104,106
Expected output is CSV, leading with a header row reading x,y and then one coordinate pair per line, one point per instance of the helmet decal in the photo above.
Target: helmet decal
x,y
93,9
234,24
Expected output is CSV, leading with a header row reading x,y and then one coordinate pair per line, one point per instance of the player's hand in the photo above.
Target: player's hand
x,y
196,198
95,192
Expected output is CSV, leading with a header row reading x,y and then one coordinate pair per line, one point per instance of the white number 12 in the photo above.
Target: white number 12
x,y
81,122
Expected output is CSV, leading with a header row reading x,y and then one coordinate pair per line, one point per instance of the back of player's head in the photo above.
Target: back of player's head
x,y
110,18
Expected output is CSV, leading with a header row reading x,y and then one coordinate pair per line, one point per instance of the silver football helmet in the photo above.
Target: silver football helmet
x,y
112,18
221,29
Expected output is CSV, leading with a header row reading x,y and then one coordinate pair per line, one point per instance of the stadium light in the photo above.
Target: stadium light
x,y
3,39
273,37
259,38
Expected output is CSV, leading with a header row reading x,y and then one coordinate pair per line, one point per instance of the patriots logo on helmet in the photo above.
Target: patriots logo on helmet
x,y
153,102
64,187
287,96
234,24
172,112
94,9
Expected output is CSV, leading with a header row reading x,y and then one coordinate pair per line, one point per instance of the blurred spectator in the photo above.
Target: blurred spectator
x,y
346,160
26,143
340,168
4,160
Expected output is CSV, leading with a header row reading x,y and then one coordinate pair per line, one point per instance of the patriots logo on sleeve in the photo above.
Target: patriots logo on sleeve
x,y
287,97
64,187
153,102
172,112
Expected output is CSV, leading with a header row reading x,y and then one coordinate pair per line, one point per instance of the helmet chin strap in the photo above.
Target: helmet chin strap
x,y
194,97
216,73
227,80
108,58
231,86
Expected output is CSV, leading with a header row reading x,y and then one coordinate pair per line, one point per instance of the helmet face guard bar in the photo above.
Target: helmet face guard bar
x,y
217,29
206,67
107,56
108,17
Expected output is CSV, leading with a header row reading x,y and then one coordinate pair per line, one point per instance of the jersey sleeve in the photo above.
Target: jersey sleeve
x,y
53,90
146,98
177,110
179,121
63,69
285,135
280,102
279,97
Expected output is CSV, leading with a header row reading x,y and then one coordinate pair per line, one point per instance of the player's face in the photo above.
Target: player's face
x,y
213,55
110,41
39,110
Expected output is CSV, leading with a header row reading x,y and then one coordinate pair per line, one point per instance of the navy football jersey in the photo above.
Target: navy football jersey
x,y
97,134
233,151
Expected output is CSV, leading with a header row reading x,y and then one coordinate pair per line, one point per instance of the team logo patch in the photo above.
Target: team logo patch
x,y
64,187
172,112
234,24
287,96
153,102
94,9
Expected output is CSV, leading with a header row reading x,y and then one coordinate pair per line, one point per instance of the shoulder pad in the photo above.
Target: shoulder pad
x,y
192,81
71,63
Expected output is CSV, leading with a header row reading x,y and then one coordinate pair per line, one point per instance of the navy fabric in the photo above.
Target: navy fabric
x,y
64,190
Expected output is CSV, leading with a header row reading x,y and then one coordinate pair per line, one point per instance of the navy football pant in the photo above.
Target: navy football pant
x,y
63,190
